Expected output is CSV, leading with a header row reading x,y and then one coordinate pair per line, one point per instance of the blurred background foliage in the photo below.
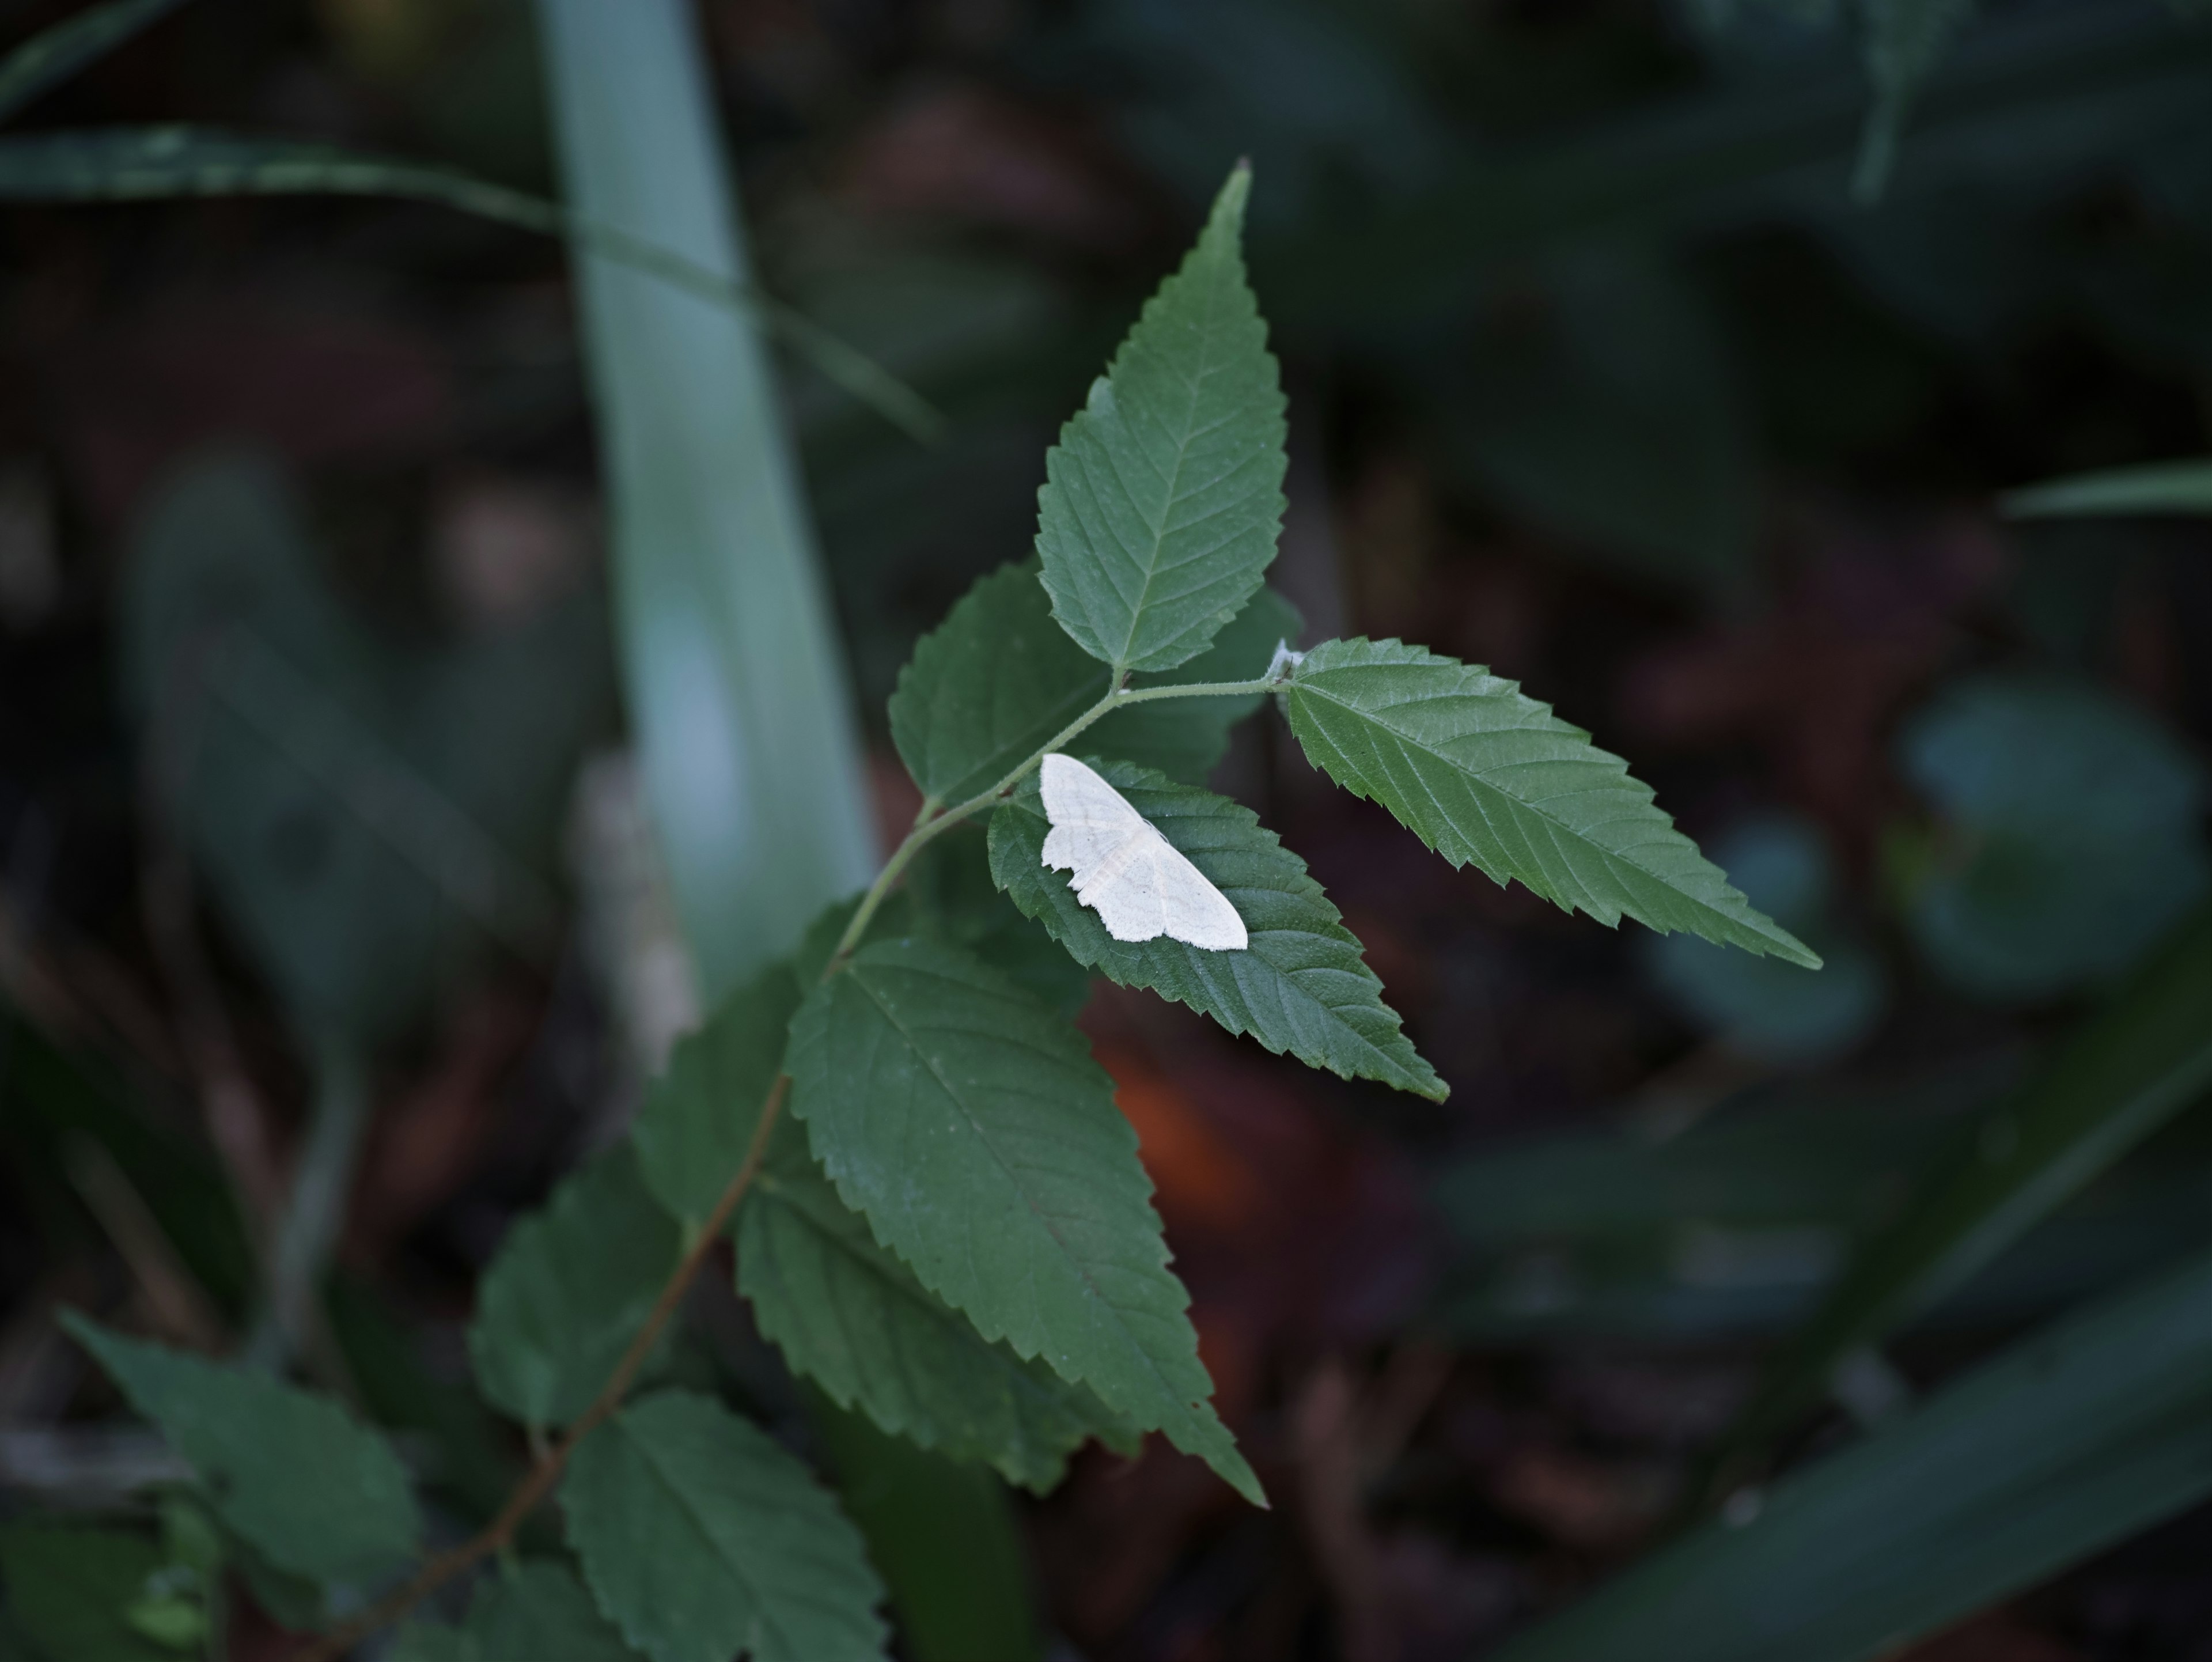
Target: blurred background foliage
x,y
1674,359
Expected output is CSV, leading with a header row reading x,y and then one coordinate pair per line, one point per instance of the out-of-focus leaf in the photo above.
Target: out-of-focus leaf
x,y
972,1128
1301,986
570,1288
51,56
1905,40
1609,411
936,1531
2074,838
1763,1007
1482,773
734,675
702,1540
368,815
69,1588
538,1609
2126,1073
155,163
2068,1441
309,1488
2179,487
1163,497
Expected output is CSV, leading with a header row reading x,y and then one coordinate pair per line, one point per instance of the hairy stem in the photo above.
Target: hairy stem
x,y
546,1471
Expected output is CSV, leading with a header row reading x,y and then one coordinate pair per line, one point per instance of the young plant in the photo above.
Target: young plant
x,y
939,1213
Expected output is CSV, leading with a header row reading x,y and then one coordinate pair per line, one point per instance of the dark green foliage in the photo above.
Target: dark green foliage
x,y
702,1539
561,1303
297,1477
971,1127
74,1590
1301,987
1484,774
1163,497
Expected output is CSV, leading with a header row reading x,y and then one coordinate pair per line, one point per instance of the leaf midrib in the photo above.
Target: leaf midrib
x,y
1184,444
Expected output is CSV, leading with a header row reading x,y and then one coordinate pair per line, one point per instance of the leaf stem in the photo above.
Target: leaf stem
x,y
927,828
546,1471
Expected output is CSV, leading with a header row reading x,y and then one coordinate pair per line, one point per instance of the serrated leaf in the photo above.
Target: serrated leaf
x,y
702,1539
854,1318
972,1128
1163,497
844,1312
69,1585
568,1291
1301,986
697,1120
993,682
314,1492
51,56
1483,773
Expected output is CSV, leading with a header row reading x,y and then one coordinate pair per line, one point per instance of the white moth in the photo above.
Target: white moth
x,y
1136,880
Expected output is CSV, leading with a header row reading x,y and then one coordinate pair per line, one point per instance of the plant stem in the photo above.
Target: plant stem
x,y
927,828
538,1482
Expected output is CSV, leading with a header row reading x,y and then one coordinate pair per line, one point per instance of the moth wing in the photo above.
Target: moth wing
x,y
1093,823
1138,883
1193,910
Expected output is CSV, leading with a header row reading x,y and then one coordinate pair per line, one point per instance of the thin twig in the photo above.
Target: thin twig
x,y
538,1482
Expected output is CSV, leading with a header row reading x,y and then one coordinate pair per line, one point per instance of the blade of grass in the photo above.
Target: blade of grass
x,y
139,164
51,56
2119,1079
2065,1443
2174,487
751,760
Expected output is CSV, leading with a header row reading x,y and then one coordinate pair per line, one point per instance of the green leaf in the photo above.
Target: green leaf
x,y
697,1120
434,1641
993,684
1482,773
845,1312
315,1492
69,1587
569,1289
2062,1445
1300,987
2118,1079
701,1539
971,1126
1163,498
369,814
854,1318
51,56
538,1610
2175,487
953,899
